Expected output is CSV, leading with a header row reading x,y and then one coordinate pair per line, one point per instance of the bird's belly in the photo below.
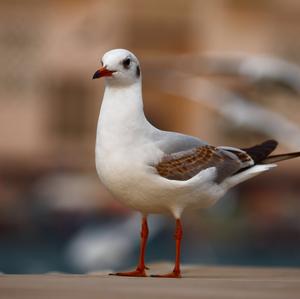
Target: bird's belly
x,y
130,189
139,189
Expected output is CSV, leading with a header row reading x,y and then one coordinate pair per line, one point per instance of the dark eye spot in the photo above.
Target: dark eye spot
x,y
126,63
138,71
102,62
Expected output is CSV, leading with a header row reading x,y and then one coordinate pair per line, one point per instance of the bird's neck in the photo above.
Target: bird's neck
x,y
122,116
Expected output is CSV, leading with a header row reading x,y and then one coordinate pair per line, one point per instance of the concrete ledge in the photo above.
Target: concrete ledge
x,y
198,282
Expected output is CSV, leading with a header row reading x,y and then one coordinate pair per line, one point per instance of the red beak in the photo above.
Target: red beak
x,y
103,72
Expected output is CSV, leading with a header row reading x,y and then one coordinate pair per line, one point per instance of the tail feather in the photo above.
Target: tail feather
x,y
261,151
262,162
281,157
246,174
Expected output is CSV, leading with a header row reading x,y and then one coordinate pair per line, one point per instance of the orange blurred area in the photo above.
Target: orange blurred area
x,y
225,71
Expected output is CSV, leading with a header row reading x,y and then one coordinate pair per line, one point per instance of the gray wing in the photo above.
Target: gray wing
x,y
188,163
171,142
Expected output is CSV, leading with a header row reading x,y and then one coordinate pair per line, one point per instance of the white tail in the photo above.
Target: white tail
x,y
245,175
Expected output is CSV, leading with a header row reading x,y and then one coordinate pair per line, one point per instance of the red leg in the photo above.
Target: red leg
x,y
140,269
178,237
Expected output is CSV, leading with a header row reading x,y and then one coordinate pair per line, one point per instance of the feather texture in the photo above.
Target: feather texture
x,y
184,165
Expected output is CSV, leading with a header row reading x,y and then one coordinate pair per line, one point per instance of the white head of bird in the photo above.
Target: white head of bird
x,y
119,67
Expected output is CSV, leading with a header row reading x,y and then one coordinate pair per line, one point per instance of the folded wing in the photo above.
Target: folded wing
x,y
227,161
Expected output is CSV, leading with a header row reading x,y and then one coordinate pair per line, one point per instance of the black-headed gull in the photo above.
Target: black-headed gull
x,y
154,171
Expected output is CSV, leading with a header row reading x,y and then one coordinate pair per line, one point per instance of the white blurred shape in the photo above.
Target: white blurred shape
x,y
109,246
233,107
263,67
254,67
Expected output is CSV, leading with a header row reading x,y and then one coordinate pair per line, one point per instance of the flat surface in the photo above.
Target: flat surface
x,y
198,282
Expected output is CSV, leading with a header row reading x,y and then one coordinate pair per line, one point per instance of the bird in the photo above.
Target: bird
x,y
154,171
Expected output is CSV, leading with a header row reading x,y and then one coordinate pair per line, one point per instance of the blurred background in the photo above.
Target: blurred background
x,y
226,71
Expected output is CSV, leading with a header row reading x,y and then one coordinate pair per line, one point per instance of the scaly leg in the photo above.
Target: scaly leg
x,y
140,269
178,237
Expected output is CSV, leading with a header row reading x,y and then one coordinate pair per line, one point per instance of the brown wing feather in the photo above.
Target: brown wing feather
x,y
185,165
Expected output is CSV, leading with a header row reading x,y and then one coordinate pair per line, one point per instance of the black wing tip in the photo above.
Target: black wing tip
x,y
261,151
271,143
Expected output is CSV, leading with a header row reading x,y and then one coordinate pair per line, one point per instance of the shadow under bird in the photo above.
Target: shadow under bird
x,y
154,171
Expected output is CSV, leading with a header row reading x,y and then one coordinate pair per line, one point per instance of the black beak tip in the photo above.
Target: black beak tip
x,y
96,75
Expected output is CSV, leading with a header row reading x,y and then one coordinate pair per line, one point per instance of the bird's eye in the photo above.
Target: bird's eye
x,y
126,63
